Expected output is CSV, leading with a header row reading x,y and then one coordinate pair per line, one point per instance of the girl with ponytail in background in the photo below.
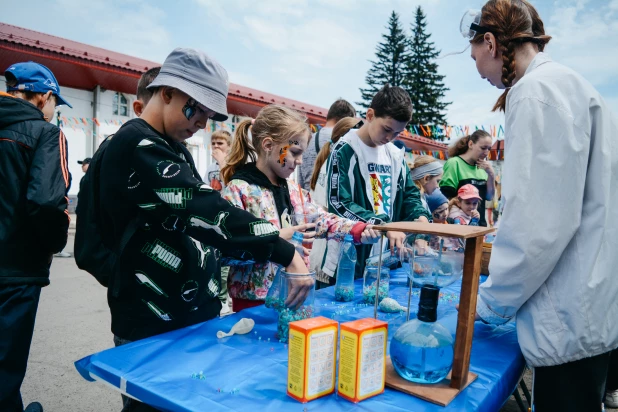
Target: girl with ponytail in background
x,y
325,268
467,165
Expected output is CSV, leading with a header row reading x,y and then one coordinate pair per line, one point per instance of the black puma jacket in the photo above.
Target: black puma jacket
x,y
170,270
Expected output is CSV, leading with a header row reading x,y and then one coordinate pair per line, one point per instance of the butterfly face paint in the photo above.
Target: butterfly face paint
x,y
283,153
190,108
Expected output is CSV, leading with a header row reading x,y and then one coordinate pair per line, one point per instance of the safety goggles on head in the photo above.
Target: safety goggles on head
x,y
470,24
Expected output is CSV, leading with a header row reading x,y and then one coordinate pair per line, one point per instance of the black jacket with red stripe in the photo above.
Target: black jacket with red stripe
x,y
34,181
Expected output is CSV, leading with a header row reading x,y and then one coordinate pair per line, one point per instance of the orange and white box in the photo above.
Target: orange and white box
x,y
312,357
362,359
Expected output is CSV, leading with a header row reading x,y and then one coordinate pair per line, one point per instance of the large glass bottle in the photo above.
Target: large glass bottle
x,y
422,349
344,287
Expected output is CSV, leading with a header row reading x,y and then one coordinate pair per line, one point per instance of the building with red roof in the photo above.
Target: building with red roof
x,y
101,85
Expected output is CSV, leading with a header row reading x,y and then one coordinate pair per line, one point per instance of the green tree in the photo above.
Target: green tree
x,y
422,81
392,57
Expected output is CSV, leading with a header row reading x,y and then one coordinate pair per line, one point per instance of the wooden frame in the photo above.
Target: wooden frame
x,y
474,236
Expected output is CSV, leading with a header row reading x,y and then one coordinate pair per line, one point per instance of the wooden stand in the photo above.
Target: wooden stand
x,y
473,235
439,393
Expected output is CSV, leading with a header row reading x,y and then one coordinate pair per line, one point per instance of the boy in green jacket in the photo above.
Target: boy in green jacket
x,y
368,178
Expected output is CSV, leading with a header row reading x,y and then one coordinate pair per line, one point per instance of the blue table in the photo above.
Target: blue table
x,y
246,373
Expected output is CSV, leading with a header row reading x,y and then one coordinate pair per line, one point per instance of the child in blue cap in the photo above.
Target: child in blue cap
x,y
438,205
33,213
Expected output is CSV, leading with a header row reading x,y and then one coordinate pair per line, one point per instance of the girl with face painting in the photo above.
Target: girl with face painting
x,y
264,154
554,272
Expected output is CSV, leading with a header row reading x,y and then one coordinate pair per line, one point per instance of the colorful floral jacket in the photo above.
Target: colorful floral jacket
x,y
253,281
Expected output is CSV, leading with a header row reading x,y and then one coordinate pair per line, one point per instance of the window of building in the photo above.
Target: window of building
x,y
121,105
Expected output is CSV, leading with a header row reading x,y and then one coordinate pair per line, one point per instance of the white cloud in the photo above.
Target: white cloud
x,y
318,50
274,36
247,79
584,38
475,108
132,27
302,39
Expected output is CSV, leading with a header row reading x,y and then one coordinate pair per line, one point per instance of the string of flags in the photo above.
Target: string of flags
x,y
87,124
443,155
441,132
436,132
438,154
82,122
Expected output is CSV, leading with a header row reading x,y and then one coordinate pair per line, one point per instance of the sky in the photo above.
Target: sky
x,y
316,51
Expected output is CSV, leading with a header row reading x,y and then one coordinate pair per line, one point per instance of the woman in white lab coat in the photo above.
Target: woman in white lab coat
x,y
554,272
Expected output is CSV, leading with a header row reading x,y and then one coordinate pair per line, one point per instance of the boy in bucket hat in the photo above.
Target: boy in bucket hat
x,y
168,275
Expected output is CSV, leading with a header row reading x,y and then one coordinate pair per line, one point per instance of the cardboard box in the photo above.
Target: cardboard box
x,y
312,357
362,359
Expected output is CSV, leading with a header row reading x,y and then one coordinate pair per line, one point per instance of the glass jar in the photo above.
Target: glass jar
x,y
296,300
344,287
370,284
422,349
273,297
304,218
437,260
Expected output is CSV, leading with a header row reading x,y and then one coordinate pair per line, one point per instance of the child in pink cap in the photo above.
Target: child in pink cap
x,y
462,209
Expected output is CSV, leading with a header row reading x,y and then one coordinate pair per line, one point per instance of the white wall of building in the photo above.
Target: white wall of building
x,y
80,136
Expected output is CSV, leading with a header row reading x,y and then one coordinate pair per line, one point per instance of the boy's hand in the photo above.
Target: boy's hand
x,y
219,156
422,219
476,214
298,289
289,231
395,240
421,246
370,236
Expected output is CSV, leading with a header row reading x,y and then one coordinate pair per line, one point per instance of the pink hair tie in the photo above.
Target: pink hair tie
x,y
252,122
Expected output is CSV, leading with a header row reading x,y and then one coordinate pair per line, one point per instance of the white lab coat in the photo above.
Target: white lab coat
x,y
554,264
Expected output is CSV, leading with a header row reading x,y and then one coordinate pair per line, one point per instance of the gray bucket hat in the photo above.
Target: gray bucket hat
x,y
202,78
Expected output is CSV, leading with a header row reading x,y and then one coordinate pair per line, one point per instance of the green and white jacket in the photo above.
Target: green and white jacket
x,y
349,191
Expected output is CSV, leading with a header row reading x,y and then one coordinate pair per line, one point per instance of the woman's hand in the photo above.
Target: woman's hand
x,y
486,166
370,236
476,315
288,232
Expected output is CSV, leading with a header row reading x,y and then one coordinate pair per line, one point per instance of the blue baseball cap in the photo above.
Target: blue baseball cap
x,y
435,200
34,77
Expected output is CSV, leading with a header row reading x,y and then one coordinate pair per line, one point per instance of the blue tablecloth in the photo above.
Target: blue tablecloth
x,y
246,373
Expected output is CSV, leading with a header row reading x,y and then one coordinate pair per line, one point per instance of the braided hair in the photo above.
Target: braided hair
x,y
513,23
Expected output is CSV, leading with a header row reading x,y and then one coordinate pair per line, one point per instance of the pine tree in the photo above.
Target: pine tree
x,y
422,81
392,57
